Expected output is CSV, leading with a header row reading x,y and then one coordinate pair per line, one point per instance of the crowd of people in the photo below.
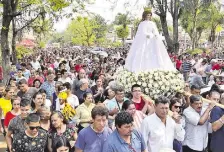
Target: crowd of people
x,y
105,117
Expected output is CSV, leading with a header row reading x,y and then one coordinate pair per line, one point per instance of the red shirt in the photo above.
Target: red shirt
x,y
8,117
139,106
78,67
178,64
216,67
31,79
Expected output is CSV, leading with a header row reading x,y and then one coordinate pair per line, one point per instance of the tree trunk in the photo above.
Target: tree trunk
x,y
6,20
14,53
166,32
175,27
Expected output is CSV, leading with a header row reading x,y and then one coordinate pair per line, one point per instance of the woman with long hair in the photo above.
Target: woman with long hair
x,y
148,51
37,101
15,100
62,145
83,115
5,103
137,115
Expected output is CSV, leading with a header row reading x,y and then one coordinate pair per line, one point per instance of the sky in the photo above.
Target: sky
x,y
103,8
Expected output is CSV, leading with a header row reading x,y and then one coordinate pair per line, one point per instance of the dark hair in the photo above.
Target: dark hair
x,y
34,96
36,81
33,117
123,118
61,141
194,98
67,85
194,86
15,97
135,86
63,71
86,94
126,104
22,81
144,15
25,102
99,111
173,101
42,91
162,100
23,64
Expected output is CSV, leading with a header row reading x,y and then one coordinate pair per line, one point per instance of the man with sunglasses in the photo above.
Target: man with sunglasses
x,y
32,139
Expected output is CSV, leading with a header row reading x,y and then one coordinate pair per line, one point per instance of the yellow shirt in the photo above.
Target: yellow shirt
x,y
5,105
83,113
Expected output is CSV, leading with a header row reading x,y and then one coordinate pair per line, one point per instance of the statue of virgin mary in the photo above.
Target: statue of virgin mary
x,y
148,51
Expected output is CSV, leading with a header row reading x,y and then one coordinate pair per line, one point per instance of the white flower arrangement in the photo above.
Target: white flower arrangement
x,y
154,83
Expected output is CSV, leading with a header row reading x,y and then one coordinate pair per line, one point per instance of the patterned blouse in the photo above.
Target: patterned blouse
x,y
69,133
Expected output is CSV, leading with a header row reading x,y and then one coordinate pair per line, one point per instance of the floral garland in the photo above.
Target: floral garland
x,y
154,83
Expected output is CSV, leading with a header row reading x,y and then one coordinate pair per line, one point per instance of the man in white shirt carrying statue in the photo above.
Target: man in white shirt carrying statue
x,y
159,129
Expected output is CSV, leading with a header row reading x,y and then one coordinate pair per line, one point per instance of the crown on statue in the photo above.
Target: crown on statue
x,y
147,9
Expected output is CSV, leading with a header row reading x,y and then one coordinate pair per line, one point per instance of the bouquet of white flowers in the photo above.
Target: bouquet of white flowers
x,y
154,83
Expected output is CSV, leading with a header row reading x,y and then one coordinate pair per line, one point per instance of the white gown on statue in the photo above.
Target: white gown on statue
x,y
148,54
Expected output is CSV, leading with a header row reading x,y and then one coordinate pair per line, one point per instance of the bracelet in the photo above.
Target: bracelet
x,y
221,121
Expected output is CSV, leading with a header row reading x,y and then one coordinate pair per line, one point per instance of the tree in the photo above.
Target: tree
x,y
215,20
122,33
122,20
175,10
194,19
24,12
81,31
161,9
100,31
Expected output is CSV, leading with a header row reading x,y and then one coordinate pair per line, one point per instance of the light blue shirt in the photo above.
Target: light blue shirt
x,y
115,143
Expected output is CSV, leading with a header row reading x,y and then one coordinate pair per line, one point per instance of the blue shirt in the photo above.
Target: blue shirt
x,y
90,141
218,136
115,143
49,88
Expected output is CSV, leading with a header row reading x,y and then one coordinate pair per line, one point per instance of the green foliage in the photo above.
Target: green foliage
x,y
122,19
197,51
122,32
116,44
41,44
81,31
100,31
21,51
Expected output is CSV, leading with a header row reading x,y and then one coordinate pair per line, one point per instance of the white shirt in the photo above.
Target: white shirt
x,y
48,103
73,101
196,136
65,80
158,136
36,65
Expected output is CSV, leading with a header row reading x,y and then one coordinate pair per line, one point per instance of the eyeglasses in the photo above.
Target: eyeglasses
x,y
176,107
16,104
32,127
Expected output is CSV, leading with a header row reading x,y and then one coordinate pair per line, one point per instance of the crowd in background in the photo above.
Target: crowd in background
x,y
106,118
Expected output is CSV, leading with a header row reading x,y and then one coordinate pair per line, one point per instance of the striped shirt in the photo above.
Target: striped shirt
x,y
186,66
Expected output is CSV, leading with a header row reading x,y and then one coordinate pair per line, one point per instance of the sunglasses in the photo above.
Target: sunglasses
x,y
32,128
176,107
